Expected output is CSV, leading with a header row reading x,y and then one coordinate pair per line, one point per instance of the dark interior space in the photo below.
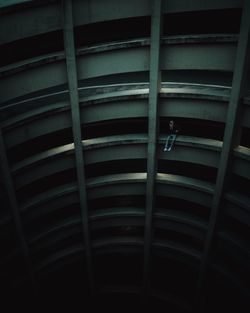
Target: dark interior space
x,y
199,22
195,127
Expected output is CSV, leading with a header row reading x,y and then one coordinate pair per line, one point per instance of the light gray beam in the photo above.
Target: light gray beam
x,y
230,141
154,88
69,45
10,189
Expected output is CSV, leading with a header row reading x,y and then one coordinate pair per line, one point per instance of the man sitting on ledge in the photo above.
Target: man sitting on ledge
x,y
173,130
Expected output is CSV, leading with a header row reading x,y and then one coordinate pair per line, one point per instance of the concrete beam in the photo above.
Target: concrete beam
x,y
15,211
154,88
230,141
69,45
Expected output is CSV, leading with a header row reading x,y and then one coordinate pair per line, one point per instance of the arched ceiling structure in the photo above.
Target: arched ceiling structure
x,y
92,207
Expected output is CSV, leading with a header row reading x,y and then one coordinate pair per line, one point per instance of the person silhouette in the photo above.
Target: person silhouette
x,y
173,131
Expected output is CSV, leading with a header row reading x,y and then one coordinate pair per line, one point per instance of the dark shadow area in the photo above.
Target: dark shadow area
x,y
115,127
53,219
119,78
179,233
195,127
188,169
199,22
240,184
173,277
125,230
119,269
117,201
224,295
31,47
182,206
46,183
245,137
40,144
102,32
220,78
116,167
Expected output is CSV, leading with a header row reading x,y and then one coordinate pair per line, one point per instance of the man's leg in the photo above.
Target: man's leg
x,y
167,143
173,137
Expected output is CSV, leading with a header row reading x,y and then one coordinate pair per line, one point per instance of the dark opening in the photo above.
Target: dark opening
x,y
46,183
117,201
39,144
184,206
114,127
31,47
116,167
125,29
122,268
182,234
174,277
195,127
202,22
192,170
245,137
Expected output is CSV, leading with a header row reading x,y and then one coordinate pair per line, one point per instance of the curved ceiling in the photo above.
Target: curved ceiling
x,y
93,208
